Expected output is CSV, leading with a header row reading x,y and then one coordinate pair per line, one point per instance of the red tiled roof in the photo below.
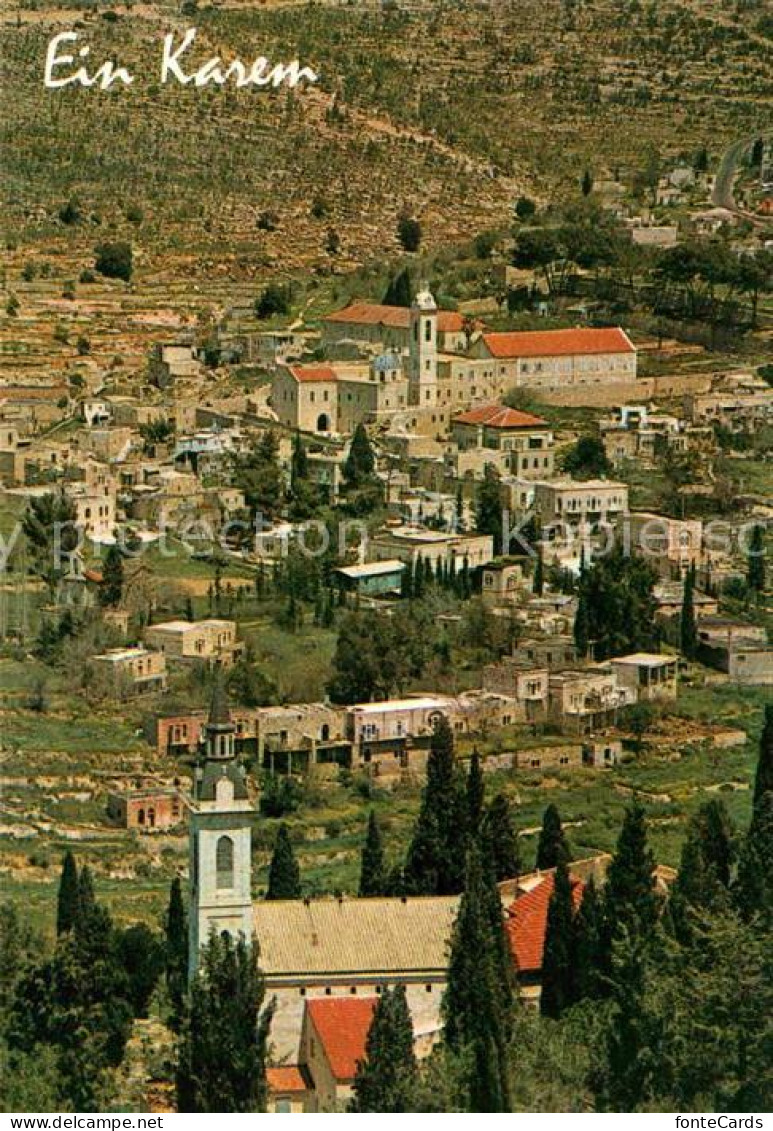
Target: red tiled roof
x,y
93,575
342,1025
396,317
558,343
285,1079
528,920
497,416
312,373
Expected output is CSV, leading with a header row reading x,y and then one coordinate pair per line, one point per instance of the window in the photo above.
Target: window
x,y
282,1107
224,862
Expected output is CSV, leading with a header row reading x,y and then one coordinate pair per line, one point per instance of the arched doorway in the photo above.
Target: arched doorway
x,y
323,422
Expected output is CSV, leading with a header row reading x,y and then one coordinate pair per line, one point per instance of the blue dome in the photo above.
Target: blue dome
x,y
386,361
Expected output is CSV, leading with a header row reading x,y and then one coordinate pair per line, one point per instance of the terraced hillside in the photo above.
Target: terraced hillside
x,y
447,109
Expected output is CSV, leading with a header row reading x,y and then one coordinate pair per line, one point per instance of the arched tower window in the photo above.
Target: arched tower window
x,y
224,862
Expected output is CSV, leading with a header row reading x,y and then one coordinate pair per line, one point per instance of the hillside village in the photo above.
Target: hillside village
x,y
424,569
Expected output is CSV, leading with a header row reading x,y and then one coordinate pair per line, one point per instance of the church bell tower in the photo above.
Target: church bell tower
x,y
220,834
422,350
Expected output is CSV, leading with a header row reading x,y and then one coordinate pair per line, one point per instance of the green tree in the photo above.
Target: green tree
x,y
587,945
222,1054
257,473
475,791
755,569
552,846
68,897
373,876
763,778
176,936
557,956
49,525
754,885
587,183
618,594
114,260
409,233
581,626
629,896
360,462
688,631
587,459
475,1024
284,878
400,290
387,1078
525,208
435,860
500,840
273,300
140,953
488,507
538,582
111,589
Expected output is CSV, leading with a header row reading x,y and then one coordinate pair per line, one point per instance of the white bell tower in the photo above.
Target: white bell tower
x,y
422,351
220,835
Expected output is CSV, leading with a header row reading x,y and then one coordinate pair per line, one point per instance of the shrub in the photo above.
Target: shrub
x,y
114,260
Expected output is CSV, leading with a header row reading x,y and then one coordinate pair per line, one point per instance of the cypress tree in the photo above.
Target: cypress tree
x,y
372,870
68,898
435,860
581,627
763,778
630,900
87,902
538,581
360,462
717,840
754,885
755,569
474,1025
557,957
688,632
284,878
475,794
222,1055
111,589
176,932
488,508
299,463
552,845
587,946
500,840
386,1079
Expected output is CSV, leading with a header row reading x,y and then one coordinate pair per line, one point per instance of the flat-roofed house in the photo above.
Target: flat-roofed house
x,y
650,675
211,639
130,671
153,809
411,542
372,579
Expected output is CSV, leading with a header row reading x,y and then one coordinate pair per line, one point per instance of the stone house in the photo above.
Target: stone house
x,y
411,542
558,359
525,439
211,639
147,810
333,1036
647,675
672,545
171,362
125,672
503,582
289,1090
586,699
582,504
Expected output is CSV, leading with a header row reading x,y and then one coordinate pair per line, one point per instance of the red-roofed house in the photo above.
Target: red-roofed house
x,y
526,926
288,1089
376,324
332,1042
306,397
526,438
559,358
